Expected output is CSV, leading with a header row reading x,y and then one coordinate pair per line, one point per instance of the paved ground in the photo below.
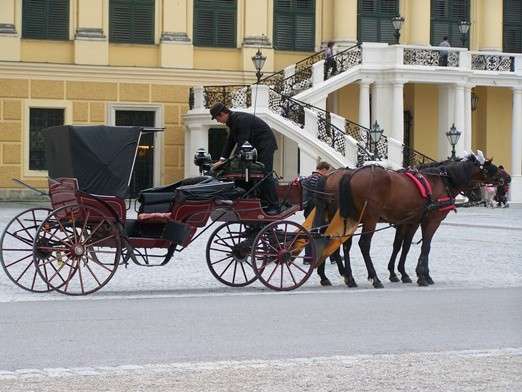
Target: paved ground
x,y
475,248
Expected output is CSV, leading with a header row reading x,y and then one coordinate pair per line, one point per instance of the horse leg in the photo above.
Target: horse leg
x,y
322,275
397,244
347,273
422,270
408,238
365,243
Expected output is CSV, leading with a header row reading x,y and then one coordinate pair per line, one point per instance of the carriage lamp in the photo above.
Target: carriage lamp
x,y
397,23
203,160
259,62
453,136
247,153
464,28
375,135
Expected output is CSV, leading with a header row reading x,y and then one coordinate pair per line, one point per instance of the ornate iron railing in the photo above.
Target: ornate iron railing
x,y
412,158
430,57
231,96
492,62
302,77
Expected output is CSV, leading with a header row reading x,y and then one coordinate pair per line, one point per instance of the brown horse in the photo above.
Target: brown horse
x,y
373,194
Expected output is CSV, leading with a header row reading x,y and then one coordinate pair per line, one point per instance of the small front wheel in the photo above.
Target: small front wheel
x,y
279,258
77,249
228,254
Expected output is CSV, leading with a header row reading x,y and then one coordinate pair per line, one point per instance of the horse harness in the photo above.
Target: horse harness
x,y
441,204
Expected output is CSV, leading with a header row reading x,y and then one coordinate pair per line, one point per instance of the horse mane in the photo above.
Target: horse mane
x,y
459,173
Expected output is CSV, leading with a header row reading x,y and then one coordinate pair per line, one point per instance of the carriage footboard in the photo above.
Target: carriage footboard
x,y
178,233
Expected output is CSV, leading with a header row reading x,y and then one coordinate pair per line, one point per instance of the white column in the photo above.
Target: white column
x,y
466,132
364,103
459,118
515,191
446,110
397,126
516,133
381,106
196,136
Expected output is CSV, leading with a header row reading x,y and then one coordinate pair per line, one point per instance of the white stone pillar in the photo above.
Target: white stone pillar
x,y
196,136
459,117
446,109
466,132
397,125
515,191
364,103
381,107
516,134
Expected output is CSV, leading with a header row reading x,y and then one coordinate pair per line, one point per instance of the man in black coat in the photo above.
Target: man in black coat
x,y
245,127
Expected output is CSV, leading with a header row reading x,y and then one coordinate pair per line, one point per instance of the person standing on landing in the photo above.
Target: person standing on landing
x,y
443,59
245,127
329,60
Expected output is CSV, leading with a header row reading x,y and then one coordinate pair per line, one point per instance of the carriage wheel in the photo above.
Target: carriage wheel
x,y
278,255
77,249
16,250
228,254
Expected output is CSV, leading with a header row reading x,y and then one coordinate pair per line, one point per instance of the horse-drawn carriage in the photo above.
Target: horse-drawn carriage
x,y
76,246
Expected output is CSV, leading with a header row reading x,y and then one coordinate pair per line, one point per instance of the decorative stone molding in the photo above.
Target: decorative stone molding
x,y
90,34
175,37
7,29
257,42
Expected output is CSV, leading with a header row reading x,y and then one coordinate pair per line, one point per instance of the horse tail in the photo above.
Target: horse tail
x,y
320,202
346,207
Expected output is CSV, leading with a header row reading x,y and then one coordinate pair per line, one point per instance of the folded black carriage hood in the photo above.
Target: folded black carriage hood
x,y
101,157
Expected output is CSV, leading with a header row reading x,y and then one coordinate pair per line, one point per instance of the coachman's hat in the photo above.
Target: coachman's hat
x,y
216,109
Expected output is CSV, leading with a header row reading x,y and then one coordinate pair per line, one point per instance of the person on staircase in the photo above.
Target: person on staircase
x,y
329,60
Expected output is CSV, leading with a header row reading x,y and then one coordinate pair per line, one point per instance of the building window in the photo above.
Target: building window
x,y
215,23
374,20
45,19
131,21
446,16
39,119
294,25
512,34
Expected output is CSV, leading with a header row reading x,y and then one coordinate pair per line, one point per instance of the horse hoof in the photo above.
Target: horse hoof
x,y
422,282
326,282
350,282
406,279
378,285
429,280
394,279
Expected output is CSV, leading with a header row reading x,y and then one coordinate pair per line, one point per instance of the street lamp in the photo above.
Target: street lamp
x,y
474,100
453,136
397,23
464,28
375,136
259,62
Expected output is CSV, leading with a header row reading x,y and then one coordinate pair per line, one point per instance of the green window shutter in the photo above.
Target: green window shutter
x,y
374,20
445,18
45,19
512,26
215,23
131,21
294,25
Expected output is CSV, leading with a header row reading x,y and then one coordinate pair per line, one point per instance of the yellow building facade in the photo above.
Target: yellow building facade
x,y
92,78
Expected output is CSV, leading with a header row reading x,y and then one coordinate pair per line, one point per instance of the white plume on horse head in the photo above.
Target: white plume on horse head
x,y
480,157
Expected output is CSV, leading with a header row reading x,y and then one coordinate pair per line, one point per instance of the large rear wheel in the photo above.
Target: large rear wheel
x,y
16,250
77,249
228,254
278,255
